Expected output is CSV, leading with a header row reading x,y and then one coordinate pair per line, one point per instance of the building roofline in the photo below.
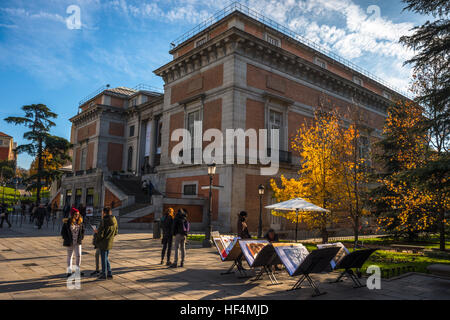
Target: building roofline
x,y
237,8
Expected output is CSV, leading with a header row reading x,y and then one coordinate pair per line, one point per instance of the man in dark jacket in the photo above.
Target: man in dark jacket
x,y
167,228
41,212
105,237
4,214
180,228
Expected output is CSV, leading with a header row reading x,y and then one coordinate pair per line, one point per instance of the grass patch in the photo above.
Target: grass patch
x,y
428,243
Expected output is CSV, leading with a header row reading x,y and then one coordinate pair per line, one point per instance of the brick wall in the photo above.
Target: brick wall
x,y
87,131
174,189
116,129
257,77
4,153
77,158
115,155
209,79
194,212
109,198
176,122
90,155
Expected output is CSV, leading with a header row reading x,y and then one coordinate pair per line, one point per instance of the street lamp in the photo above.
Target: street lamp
x,y
211,173
261,193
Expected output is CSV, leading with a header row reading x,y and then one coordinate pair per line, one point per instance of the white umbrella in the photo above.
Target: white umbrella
x,y
297,205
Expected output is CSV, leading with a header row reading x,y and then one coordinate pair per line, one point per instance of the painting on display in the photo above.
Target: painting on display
x,y
291,255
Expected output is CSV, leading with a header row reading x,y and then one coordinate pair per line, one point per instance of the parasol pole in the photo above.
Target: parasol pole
x,y
296,225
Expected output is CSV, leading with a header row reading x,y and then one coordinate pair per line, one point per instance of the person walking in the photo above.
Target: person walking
x,y
167,228
72,233
105,237
4,215
242,226
181,228
41,212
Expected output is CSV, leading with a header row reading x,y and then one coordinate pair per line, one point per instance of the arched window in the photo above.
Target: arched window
x,y
130,159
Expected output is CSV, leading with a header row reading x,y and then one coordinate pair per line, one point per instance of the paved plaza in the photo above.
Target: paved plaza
x,y
33,266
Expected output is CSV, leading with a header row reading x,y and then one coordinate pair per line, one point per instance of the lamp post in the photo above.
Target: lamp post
x,y
261,193
211,173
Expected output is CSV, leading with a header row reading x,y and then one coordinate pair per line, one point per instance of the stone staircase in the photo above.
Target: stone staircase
x,y
142,206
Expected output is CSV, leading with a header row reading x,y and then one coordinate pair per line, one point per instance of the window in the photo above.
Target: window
x,y
275,122
364,148
191,118
90,197
131,131
134,102
321,63
190,190
78,194
1,142
159,137
83,159
358,81
273,40
68,196
201,41
130,159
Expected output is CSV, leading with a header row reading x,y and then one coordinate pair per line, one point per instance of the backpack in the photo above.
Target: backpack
x,y
186,226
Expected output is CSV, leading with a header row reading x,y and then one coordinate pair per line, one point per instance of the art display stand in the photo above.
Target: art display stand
x,y
230,251
264,258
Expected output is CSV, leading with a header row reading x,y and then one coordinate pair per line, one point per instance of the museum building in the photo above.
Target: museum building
x,y
240,71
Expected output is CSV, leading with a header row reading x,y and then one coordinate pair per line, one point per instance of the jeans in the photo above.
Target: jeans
x,y
167,245
97,259
7,220
106,267
180,242
73,249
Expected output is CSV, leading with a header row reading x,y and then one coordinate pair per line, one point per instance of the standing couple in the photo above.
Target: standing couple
x,y
73,234
179,227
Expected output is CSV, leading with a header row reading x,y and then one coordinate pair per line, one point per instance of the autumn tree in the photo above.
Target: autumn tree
x,y
319,181
433,174
355,168
406,208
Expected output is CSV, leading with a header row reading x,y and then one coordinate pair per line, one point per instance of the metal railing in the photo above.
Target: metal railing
x,y
236,6
146,87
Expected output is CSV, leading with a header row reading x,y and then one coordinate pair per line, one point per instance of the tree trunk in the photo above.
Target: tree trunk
x,y
356,231
324,233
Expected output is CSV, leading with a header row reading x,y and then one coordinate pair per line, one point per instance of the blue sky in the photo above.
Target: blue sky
x,y
121,42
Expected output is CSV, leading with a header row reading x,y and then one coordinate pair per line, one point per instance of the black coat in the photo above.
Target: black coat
x,y
167,226
178,224
66,233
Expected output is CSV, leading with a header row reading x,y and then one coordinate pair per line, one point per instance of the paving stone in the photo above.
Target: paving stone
x,y
137,273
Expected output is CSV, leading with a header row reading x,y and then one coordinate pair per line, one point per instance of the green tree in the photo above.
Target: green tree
x,y
431,42
37,118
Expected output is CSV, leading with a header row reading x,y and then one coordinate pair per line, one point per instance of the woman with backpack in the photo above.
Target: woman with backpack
x,y
73,233
181,227
167,228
